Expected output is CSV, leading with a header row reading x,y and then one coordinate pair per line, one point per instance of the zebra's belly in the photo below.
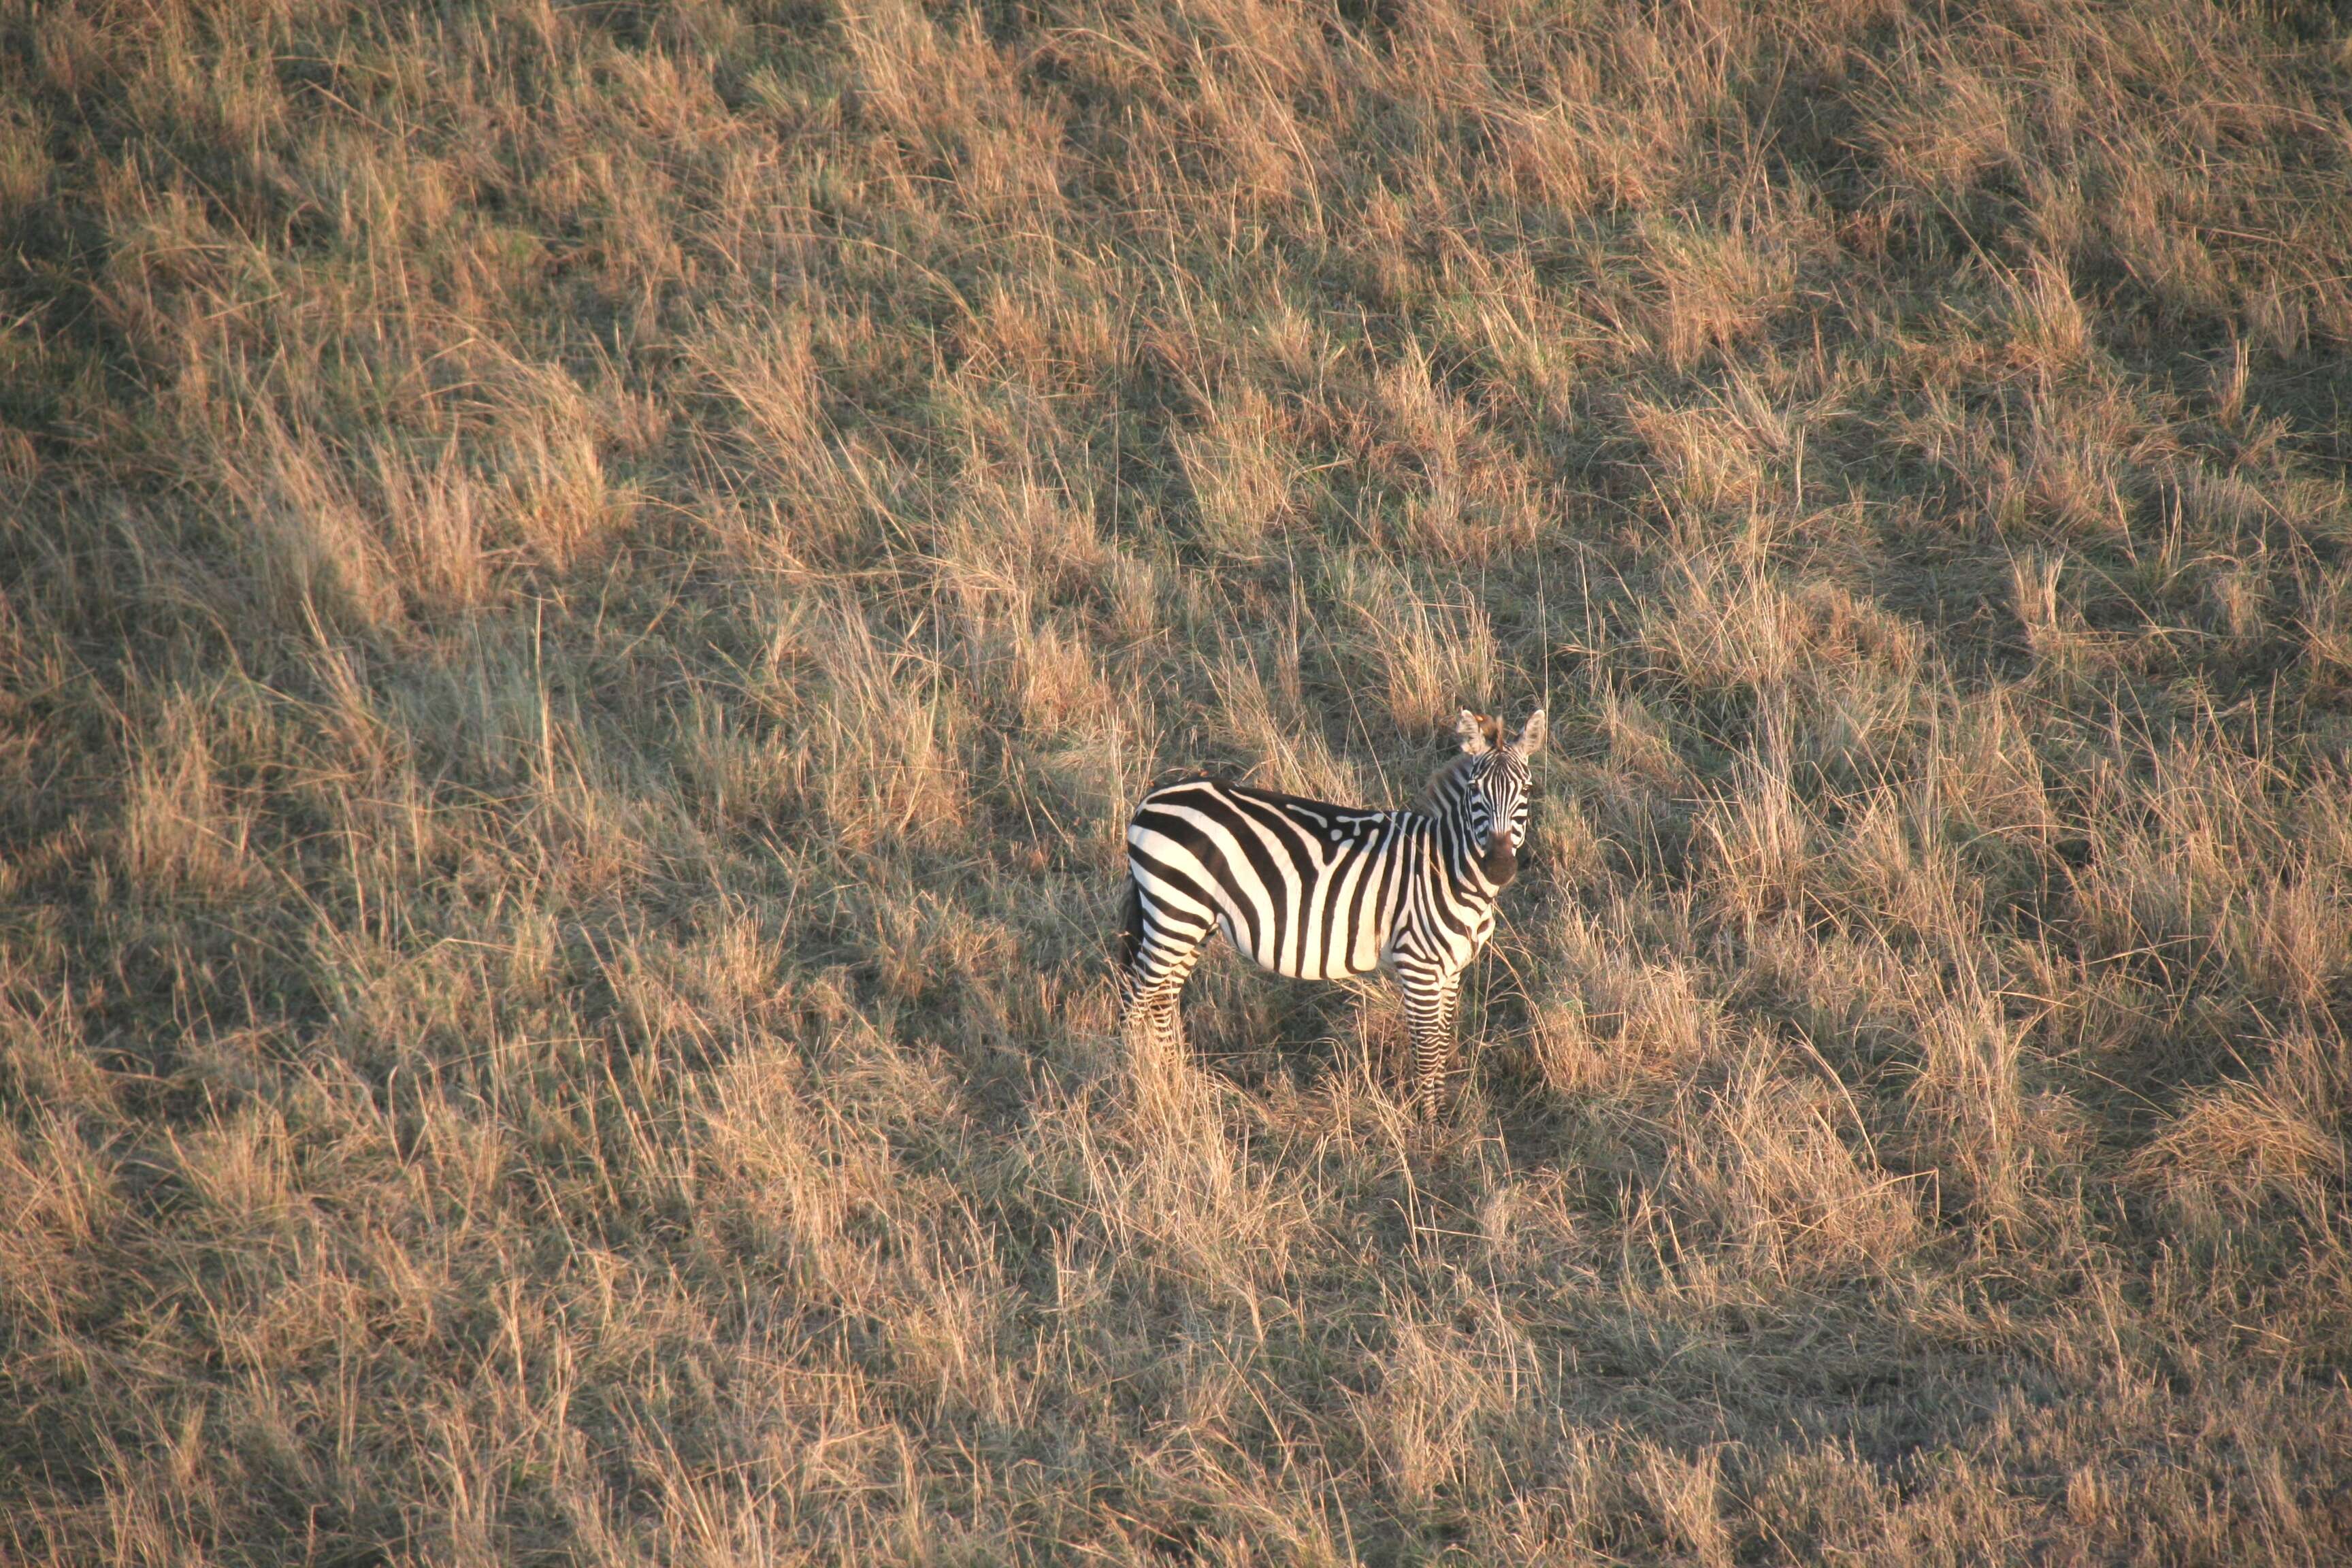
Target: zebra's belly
x,y
1325,957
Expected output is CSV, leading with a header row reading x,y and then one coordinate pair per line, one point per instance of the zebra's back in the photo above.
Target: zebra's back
x,y
1304,888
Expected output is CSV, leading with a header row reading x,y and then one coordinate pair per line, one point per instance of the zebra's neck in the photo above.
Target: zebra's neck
x,y
1475,878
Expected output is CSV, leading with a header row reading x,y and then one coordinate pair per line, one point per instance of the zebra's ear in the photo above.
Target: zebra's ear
x,y
1473,731
1531,739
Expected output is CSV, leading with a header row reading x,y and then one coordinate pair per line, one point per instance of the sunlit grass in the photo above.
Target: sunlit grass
x,y
585,593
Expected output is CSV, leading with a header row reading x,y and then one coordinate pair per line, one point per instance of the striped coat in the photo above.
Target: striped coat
x,y
1318,891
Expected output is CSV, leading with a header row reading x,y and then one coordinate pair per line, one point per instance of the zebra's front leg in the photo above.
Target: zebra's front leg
x,y
1429,1013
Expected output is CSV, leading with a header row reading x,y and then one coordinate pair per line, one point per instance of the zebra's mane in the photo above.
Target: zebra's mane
x,y
1442,777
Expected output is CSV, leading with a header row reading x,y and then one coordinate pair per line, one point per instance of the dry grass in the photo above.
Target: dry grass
x,y
583,591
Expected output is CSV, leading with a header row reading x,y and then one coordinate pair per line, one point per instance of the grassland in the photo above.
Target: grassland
x,y
584,590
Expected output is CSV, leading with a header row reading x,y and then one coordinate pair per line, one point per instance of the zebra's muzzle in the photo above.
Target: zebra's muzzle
x,y
1500,863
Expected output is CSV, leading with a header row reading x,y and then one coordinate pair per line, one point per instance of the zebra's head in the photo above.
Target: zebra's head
x,y
1485,791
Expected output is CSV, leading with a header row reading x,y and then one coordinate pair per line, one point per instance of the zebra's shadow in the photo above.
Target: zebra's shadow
x,y
1257,1031
1254,1029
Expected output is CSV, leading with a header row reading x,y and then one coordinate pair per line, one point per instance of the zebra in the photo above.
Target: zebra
x,y
1317,892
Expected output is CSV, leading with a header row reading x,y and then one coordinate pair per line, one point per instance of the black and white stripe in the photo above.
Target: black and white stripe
x,y
1318,891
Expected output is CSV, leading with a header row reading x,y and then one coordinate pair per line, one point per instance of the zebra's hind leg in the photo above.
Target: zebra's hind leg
x,y
1429,1006
1161,952
1166,1094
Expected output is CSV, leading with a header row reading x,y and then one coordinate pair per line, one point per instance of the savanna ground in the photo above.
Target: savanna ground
x,y
587,588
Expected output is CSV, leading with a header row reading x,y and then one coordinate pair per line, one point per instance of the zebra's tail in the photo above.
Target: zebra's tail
x,y
1129,941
